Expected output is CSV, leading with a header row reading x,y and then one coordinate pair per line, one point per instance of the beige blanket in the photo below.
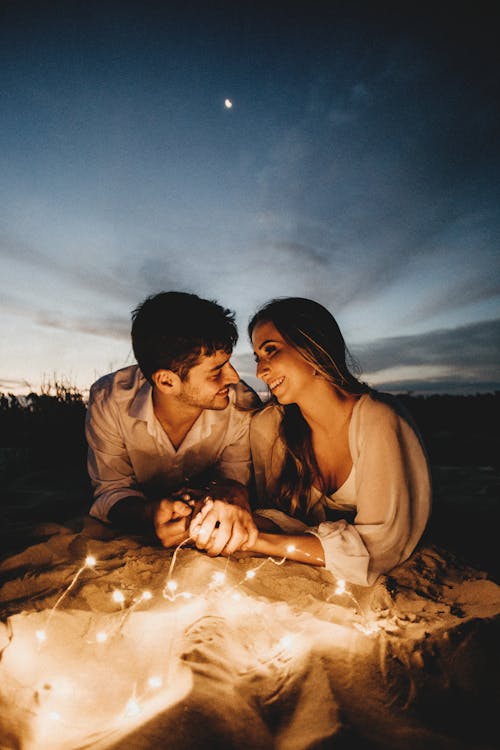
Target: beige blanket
x,y
240,653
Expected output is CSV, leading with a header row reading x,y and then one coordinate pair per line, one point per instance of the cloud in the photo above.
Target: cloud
x,y
11,385
471,349
112,326
377,175
87,275
460,293
107,326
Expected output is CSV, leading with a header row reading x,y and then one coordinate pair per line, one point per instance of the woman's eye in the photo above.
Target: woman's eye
x,y
270,351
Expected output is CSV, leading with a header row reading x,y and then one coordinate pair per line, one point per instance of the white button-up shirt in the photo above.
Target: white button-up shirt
x,y
131,455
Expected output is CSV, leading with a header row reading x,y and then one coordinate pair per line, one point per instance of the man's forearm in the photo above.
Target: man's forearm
x,y
133,514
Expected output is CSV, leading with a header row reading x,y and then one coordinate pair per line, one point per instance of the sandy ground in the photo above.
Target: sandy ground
x,y
247,653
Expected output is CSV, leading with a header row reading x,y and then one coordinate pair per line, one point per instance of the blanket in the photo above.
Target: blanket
x,y
110,642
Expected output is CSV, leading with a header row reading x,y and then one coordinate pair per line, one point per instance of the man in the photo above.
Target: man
x,y
177,418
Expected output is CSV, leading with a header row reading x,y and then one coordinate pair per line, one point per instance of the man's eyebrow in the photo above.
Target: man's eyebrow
x,y
219,367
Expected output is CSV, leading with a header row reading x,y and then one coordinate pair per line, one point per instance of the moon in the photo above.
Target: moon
x,y
228,103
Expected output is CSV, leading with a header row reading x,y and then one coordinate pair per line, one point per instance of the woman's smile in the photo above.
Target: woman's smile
x,y
272,384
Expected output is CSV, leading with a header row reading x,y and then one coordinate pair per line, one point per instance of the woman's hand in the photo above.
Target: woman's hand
x,y
222,528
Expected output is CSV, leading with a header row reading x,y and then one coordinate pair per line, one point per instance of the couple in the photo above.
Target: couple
x,y
337,473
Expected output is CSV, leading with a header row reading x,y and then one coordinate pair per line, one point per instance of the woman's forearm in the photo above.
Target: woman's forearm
x,y
305,548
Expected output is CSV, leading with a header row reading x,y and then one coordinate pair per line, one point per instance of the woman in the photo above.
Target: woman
x,y
341,471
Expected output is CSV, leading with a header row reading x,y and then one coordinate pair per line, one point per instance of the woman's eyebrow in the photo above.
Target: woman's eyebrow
x,y
267,341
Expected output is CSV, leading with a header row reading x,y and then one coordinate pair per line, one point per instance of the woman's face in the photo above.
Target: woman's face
x,y
279,365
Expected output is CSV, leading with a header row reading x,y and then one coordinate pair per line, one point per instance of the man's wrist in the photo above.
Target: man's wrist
x,y
133,514
231,491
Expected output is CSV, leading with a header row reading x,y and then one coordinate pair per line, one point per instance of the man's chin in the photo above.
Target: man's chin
x,y
220,402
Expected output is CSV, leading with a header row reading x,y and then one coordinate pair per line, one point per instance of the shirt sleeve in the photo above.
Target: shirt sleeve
x,y
393,499
108,463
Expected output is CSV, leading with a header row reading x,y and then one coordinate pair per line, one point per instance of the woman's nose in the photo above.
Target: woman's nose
x,y
261,368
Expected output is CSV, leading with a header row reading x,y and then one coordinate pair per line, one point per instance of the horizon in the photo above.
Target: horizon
x,y
356,164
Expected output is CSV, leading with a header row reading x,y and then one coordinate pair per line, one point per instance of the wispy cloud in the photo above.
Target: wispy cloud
x,y
69,267
471,349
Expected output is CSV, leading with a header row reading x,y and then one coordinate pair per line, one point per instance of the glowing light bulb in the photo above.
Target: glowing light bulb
x,y
172,585
368,628
250,574
228,103
340,589
236,597
132,708
101,636
118,597
90,561
147,595
291,548
218,578
155,682
286,641
41,636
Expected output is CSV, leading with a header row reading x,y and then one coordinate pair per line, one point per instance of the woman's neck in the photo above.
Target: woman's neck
x,y
326,407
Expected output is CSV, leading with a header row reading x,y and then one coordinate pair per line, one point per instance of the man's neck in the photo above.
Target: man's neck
x,y
175,416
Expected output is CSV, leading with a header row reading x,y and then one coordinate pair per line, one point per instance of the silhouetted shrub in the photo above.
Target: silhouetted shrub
x,y
42,432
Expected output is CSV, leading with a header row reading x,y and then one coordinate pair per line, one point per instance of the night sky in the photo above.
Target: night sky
x,y
359,166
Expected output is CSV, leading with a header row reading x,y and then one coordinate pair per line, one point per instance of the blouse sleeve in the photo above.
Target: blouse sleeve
x,y
267,455
393,498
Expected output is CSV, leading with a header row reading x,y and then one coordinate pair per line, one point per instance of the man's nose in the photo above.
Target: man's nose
x,y
230,374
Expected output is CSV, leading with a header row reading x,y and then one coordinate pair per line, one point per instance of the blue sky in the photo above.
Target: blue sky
x,y
358,166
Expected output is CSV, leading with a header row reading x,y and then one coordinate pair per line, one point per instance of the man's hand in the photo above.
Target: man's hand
x,y
220,527
171,520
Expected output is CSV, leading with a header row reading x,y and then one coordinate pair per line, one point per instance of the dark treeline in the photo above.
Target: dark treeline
x,y
458,430
44,433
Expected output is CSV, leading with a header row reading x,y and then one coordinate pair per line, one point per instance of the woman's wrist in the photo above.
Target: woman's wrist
x,y
304,548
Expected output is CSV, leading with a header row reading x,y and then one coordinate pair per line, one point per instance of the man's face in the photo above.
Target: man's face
x,y
206,386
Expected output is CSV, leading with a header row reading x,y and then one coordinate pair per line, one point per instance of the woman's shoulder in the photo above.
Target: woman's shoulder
x,y
379,407
266,421
378,411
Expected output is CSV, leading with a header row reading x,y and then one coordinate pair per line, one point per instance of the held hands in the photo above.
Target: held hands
x,y
215,525
222,528
171,516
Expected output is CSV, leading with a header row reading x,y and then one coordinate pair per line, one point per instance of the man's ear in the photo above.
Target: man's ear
x,y
166,381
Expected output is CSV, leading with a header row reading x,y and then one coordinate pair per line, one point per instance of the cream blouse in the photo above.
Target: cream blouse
x,y
388,492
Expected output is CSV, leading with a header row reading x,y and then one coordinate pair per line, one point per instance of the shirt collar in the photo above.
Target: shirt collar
x,y
142,408
142,404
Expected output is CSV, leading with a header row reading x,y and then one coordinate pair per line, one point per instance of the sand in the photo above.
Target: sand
x,y
281,660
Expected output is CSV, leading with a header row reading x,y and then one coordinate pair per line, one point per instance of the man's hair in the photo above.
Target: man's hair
x,y
171,330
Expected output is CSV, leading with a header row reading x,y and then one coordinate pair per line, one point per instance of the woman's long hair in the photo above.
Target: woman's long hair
x,y
314,333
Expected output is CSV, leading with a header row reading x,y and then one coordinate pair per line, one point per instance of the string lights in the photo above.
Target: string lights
x,y
218,584
90,562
